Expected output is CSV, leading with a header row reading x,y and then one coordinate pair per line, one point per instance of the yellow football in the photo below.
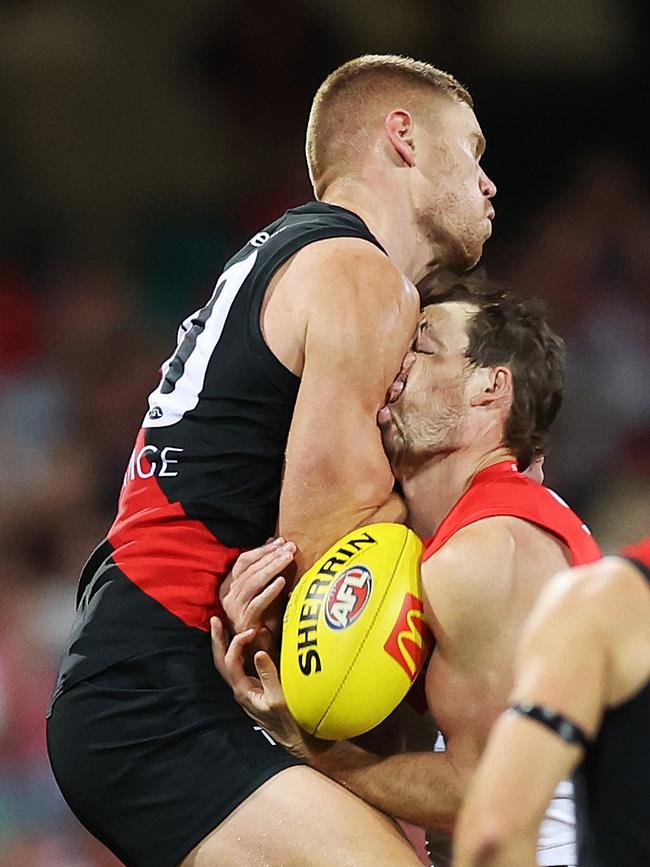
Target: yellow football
x,y
354,638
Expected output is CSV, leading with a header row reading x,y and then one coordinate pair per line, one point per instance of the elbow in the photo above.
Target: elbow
x,y
489,842
486,852
373,486
480,848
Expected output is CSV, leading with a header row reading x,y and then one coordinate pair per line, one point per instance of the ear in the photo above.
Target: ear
x,y
399,129
497,388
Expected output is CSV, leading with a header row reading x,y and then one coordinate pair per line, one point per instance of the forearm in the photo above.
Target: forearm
x,y
492,849
314,528
509,793
422,788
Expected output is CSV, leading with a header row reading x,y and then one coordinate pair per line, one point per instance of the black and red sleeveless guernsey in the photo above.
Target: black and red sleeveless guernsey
x,y
146,741
502,490
612,787
203,481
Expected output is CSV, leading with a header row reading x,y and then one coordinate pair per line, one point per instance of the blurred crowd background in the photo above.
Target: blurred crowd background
x,y
142,143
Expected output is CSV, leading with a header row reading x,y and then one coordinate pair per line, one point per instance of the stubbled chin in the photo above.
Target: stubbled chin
x,y
474,253
465,256
474,243
391,437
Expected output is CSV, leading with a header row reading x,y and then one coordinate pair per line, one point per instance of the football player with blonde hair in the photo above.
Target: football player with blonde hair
x,y
246,432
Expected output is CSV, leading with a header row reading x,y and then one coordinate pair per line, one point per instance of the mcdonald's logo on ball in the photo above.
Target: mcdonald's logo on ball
x,y
409,641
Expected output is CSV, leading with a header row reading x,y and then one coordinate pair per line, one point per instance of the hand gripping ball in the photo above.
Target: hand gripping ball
x,y
354,637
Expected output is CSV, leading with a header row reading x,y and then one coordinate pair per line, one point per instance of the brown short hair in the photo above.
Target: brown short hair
x,y
339,103
513,331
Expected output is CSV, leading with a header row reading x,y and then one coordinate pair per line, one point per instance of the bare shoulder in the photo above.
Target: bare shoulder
x,y
353,257
491,572
602,608
597,590
612,579
343,273
474,552
465,580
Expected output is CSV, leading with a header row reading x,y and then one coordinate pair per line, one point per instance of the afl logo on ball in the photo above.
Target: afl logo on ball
x,y
347,597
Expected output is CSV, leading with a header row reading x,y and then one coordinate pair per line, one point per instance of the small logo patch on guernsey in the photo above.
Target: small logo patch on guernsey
x,y
408,641
347,597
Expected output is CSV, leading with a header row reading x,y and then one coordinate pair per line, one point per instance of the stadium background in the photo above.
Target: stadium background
x,y
142,142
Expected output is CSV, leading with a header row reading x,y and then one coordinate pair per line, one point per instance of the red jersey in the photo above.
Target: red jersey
x,y
502,490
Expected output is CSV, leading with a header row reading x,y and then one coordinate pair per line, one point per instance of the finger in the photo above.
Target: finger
x,y
253,582
258,605
242,685
268,675
234,664
238,645
234,659
249,558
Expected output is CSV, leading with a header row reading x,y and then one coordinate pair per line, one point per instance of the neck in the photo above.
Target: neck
x,y
436,486
390,217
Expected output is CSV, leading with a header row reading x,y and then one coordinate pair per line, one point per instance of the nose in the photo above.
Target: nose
x,y
487,185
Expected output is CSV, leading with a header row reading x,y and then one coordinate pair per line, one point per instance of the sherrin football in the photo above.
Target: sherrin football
x,y
354,638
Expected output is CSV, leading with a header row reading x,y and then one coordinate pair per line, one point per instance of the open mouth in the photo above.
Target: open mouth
x,y
396,387
391,425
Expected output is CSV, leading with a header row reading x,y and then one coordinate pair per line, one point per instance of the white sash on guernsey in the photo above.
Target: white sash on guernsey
x,y
556,845
557,833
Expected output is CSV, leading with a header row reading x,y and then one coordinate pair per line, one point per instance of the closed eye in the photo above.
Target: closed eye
x,y
426,344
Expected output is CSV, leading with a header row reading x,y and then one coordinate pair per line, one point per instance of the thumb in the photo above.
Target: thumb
x,y
267,673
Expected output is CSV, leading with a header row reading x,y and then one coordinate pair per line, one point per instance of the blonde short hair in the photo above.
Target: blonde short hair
x,y
339,111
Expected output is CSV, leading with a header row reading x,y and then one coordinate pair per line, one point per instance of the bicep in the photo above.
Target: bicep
x,y
560,667
336,472
515,780
561,660
467,608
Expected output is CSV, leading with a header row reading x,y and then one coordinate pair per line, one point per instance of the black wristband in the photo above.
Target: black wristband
x,y
560,725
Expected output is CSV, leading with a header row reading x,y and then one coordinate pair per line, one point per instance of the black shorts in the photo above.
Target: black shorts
x,y
151,759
